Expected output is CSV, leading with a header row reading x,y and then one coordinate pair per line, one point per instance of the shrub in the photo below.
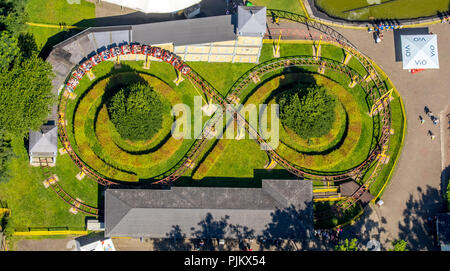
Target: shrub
x,y
136,111
308,111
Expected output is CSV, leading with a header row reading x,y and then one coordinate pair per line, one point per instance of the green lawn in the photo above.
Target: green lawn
x,y
32,205
237,160
289,5
55,12
398,9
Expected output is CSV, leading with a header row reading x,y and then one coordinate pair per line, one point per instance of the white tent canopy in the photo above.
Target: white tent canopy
x,y
419,52
155,6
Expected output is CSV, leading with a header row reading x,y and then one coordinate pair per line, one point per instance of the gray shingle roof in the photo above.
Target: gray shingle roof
x,y
44,141
185,32
67,54
152,213
251,21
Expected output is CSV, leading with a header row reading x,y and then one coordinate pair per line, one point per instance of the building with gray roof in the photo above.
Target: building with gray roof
x,y
278,209
43,144
212,39
186,32
251,21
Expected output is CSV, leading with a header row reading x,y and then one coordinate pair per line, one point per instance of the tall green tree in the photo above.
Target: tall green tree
x,y
5,154
25,96
399,245
13,16
347,245
137,112
308,110
9,49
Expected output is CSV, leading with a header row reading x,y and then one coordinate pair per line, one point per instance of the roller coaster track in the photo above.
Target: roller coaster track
x,y
333,36
290,62
62,133
86,209
330,35
215,95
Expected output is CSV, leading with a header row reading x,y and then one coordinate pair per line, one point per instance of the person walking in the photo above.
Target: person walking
x,y
435,120
431,135
421,119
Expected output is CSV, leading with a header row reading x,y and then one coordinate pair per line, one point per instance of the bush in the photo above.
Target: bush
x,y
136,111
308,111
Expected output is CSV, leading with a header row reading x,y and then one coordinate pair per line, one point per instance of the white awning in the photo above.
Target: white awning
x,y
419,52
155,6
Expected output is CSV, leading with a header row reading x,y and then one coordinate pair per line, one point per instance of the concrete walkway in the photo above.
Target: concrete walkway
x,y
416,189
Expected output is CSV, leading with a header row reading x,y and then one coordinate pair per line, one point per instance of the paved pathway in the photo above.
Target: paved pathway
x,y
415,191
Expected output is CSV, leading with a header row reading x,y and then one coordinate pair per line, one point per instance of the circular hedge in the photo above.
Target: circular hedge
x,y
97,139
308,110
136,111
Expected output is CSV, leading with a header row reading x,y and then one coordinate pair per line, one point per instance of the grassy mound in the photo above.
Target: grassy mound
x,y
102,142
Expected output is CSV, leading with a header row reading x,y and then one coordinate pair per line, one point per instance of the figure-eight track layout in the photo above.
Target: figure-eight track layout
x,y
375,91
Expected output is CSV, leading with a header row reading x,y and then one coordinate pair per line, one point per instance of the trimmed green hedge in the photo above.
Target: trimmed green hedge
x,y
136,111
308,110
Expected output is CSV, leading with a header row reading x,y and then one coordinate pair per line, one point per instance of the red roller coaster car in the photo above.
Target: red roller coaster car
x,y
115,51
72,83
145,49
105,55
167,56
95,60
177,63
136,49
185,69
126,49
78,74
87,65
156,52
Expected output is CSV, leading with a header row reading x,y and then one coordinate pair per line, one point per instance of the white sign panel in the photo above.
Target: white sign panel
x,y
419,52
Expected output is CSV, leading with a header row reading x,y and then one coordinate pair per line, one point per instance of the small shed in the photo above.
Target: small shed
x,y
43,145
251,21
443,231
419,52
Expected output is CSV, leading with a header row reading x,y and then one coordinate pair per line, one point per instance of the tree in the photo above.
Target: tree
x,y
13,16
308,110
5,154
136,111
399,245
8,49
27,45
26,96
347,245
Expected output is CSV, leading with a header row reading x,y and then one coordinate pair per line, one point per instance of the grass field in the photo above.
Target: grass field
x,y
387,9
289,5
55,12
33,205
